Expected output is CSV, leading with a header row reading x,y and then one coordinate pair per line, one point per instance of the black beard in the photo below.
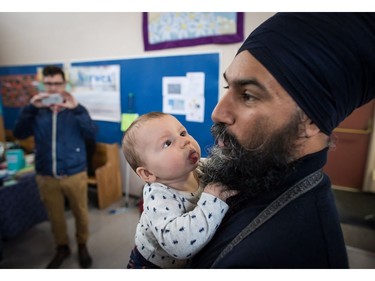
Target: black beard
x,y
255,167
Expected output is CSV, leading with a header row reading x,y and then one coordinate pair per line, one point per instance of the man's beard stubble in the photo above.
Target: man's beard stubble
x,y
255,167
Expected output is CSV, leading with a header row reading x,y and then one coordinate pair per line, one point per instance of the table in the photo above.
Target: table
x,y
20,207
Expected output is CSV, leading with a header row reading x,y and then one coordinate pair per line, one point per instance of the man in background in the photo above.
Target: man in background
x,y
60,126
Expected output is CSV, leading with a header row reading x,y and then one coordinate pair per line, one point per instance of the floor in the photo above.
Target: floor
x,y
112,238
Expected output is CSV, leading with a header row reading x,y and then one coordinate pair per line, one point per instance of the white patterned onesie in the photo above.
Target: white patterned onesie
x,y
175,225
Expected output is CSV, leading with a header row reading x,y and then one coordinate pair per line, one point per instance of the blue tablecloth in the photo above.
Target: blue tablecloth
x,y
20,207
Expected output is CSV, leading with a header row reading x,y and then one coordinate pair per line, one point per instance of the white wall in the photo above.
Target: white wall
x,y
33,38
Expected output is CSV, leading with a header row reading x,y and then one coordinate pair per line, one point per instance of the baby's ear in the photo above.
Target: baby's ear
x,y
145,174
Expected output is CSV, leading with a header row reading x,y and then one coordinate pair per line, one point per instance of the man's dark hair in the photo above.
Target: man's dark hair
x,y
52,70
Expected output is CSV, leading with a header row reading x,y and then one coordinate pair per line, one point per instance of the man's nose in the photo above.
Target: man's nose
x,y
222,113
52,88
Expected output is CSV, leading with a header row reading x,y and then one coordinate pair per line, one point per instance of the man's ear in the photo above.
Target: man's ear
x,y
145,174
311,129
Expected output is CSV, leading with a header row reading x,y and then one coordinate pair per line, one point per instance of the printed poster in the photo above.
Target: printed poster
x,y
98,89
17,90
184,95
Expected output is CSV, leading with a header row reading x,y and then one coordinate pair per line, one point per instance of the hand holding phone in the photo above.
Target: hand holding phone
x,y
52,99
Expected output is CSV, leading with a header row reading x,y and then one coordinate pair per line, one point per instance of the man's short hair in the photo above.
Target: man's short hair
x,y
52,70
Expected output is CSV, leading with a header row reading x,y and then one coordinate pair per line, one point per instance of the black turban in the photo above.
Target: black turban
x,y
325,61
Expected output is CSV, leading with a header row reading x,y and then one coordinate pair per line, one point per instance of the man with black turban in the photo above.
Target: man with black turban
x,y
295,78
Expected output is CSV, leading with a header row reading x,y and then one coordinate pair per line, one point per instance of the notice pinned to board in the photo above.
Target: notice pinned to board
x,y
98,89
184,95
127,119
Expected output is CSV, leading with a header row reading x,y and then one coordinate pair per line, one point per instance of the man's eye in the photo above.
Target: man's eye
x,y
166,144
247,96
226,87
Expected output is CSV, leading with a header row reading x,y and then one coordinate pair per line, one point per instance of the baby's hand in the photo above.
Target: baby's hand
x,y
218,190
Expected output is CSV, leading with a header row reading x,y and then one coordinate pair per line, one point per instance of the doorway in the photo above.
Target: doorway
x,y
346,164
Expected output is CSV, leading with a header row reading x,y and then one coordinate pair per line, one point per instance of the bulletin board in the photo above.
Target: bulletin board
x,y
143,78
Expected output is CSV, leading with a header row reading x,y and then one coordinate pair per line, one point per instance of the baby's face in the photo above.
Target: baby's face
x,y
167,149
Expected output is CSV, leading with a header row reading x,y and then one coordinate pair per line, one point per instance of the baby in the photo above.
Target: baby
x,y
179,216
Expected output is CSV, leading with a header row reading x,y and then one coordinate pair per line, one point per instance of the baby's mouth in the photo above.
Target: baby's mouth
x,y
193,156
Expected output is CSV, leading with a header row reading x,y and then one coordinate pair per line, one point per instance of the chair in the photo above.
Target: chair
x,y
107,177
27,144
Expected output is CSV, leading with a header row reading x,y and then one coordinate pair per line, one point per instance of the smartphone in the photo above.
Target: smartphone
x,y
52,99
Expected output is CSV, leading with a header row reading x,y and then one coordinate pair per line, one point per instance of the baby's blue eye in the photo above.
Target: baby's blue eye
x,y
167,143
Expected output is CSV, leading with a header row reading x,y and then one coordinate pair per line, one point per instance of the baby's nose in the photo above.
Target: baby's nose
x,y
185,142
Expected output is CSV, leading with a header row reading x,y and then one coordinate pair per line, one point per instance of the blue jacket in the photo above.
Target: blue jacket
x,y
60,148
